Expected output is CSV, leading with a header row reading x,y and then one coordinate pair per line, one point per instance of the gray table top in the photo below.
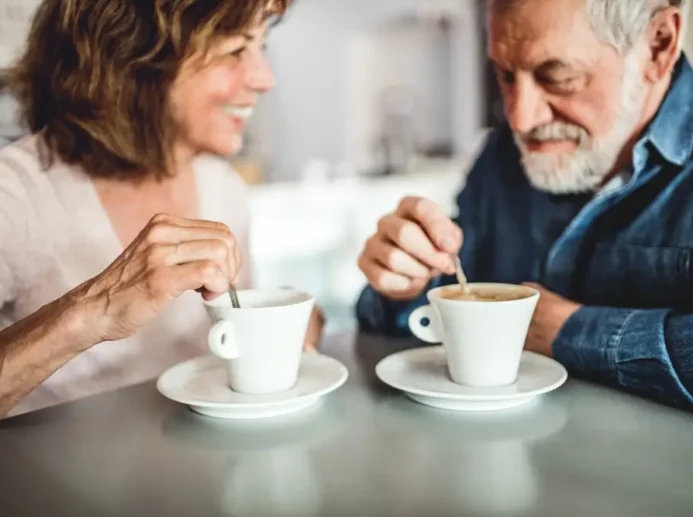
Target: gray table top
x,y
367,450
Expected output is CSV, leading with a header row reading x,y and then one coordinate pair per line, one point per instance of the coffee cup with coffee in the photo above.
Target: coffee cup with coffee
x,y
262,341
482,329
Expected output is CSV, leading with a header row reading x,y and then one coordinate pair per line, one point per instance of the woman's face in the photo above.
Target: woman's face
x,y
212,100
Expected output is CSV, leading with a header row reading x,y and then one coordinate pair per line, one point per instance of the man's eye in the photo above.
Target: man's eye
x,y
557,79
558,82
560,85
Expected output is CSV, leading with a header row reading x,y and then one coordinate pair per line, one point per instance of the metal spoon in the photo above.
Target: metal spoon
x,y
461,277
234,297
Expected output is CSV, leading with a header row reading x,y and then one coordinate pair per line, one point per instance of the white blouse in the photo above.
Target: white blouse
x,y
55,234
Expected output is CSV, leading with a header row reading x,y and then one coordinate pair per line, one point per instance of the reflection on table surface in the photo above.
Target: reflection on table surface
x,y
366,450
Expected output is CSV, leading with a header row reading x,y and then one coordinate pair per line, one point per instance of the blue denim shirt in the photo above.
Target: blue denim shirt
x,y
626,255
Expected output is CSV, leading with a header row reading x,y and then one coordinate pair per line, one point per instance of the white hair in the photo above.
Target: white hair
x,y
621,23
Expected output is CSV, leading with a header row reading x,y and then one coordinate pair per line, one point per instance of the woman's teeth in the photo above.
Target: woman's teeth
x,y
240,112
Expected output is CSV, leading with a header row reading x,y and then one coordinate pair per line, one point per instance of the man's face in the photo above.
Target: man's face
x,y
572,101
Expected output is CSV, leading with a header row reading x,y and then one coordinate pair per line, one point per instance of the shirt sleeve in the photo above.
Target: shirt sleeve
x,y
646,352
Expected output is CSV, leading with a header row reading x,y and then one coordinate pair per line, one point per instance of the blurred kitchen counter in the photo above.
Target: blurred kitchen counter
x,y
309,234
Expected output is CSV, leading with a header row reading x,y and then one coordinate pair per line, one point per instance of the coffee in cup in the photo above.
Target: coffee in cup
x,y
483,332
262,341
481,294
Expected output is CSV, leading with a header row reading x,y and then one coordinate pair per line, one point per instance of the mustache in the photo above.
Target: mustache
x,y
556,131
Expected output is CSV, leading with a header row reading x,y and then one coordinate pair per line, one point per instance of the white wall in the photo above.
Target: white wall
x,y
410,59
15,17
687,33
304,118
309,52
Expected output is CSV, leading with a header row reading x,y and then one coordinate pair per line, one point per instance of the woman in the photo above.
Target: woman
x,y
130,103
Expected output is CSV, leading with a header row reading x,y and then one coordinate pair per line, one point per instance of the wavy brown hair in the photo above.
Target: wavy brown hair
x,y
95,75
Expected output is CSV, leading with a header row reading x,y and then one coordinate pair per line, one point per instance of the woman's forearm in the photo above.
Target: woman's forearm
x,y
35,347
170,256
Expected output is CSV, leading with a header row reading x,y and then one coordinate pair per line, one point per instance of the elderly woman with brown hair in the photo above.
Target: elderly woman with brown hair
x,y
118,206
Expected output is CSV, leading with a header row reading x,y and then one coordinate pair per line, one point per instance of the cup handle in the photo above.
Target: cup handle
x,y
427,333
221,342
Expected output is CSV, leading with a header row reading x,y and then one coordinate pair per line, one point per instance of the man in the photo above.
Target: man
x,y
587,191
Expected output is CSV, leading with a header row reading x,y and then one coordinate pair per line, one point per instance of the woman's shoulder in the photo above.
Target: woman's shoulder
x,y
23,168
19,182
16,163
36,194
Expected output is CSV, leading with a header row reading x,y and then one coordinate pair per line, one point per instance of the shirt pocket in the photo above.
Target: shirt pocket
x,y
638,276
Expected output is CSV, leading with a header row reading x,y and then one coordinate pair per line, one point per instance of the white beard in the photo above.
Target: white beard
x,y
586,168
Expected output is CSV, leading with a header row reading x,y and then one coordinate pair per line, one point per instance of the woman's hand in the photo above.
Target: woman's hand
x,y
171,255
316,325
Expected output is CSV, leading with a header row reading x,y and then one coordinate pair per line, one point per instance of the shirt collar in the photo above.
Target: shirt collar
x,y
671,131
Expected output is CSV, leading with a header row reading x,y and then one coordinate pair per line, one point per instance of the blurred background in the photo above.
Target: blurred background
x,y
375,100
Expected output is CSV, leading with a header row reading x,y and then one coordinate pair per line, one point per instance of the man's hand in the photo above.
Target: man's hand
x,y
411,246
551,314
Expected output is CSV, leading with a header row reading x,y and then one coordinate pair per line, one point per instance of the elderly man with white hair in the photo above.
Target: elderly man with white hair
x,y
587,192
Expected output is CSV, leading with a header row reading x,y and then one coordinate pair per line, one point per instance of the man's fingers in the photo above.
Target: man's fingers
x,y
388,282
395,259
441,230
411,238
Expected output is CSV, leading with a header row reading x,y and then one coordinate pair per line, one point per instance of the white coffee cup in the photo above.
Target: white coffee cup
x,y
263,339
483,340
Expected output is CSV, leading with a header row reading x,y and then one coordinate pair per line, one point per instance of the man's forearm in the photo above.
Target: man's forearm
x,y
645,351
35,347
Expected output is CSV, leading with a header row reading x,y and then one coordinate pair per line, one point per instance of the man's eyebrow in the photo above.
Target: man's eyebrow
x,y
549,65
497,64
553,65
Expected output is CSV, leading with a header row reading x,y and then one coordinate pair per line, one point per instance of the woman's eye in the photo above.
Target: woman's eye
x,y
239,53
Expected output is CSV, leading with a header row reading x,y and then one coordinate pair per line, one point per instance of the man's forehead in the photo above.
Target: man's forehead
x,y
527,33
505,6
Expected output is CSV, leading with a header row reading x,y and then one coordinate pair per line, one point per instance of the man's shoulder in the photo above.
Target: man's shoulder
x,y
680,183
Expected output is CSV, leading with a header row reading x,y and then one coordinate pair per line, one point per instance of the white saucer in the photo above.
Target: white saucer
x,y
422,374
201,384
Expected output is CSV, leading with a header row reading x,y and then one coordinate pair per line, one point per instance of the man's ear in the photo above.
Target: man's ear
x,y
663,41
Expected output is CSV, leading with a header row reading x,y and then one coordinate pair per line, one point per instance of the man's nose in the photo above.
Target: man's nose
x,y
525,106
